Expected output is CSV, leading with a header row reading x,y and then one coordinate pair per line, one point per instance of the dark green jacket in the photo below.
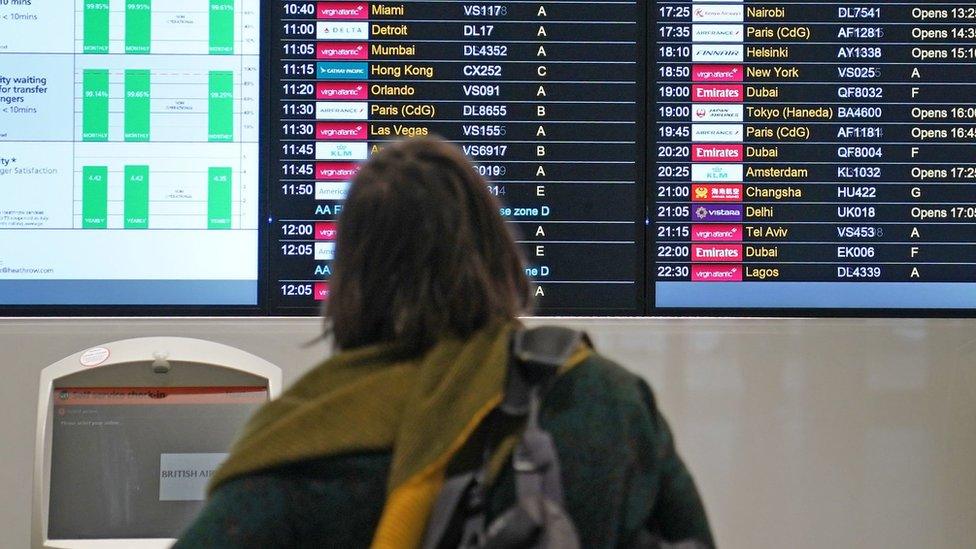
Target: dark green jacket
x,y
619,466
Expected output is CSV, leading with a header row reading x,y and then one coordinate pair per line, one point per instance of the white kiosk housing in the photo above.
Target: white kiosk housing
x,y
129,432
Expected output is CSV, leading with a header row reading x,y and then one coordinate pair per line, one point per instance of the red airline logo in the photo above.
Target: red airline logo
x,y
717,73
716,233
341,90
716,153
716,252
342,50
325,230
716,273
340,131
716,192
320,291
335,171
717,93
342,10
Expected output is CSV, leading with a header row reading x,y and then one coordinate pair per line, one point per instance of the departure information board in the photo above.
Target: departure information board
x,y
814,155
544,97
683,157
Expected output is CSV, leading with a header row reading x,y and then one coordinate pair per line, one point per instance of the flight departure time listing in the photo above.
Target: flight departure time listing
x,y
813,154
542,96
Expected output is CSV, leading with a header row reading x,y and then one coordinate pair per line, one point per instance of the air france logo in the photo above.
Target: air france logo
x,y
716,133
717,33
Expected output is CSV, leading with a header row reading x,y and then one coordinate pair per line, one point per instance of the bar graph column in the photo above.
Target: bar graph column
x,y
138,26
219,198
94,197
94,105
221,106
221,27
137,105
136,209
95,20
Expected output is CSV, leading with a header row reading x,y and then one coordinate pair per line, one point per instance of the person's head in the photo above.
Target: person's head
x,y
422,252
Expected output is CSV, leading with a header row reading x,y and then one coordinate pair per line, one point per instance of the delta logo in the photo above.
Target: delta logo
x,y
717,213
717,113
320,290
701,192
717,73
335,171
716,233
716,252
341,50
341,90
716,273
341,31
342,10
340,131
718,14
717,93
716,153
325,230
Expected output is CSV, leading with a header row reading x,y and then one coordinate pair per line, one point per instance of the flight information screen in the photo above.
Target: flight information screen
x,y
654,158
813,155
542,96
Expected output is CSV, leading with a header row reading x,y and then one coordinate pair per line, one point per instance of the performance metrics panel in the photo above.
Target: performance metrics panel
x,y
545,98
129,153
814,156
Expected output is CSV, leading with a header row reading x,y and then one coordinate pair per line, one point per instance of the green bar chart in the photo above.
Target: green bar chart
x,y
221,27
221,106
95,99
219,198
138,26
96,22
94,197
137,105
136,209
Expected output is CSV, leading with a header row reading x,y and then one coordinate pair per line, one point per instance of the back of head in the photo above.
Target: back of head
x,y
422,252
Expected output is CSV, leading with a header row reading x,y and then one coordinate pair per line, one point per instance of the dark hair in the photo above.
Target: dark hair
x,y
422,252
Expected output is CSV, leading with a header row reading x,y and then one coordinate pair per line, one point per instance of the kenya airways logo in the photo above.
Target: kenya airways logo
x,y
718,14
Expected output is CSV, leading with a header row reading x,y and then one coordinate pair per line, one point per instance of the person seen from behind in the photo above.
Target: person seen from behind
x,y
427,288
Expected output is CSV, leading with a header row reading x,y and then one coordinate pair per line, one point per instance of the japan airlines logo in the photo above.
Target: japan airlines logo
x,y
716,233
341,50
716,172
717,53
716,193
716,252
717,14
716,153
342,10
717,93
717,33
716,273
717,73
717,113
716,133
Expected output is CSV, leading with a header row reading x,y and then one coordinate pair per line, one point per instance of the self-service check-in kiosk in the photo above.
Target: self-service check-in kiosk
x,y
129,433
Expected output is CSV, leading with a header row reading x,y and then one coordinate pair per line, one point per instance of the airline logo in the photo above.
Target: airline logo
x,y
331,131
715,172
716,273
341,50
341,31
716,153
716,193
717,93
340,150
331,110
716,233
327,190
320,290
716,133
325,230
717,73
325,251
717,113
717,33
341,90
342,10
717,212
335,171
716,252
728,13
717,53
342,71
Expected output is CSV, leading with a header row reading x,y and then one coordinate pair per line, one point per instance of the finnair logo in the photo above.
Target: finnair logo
x,y
717,53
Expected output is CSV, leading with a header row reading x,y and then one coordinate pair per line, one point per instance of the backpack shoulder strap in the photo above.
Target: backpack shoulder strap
x,y
537,355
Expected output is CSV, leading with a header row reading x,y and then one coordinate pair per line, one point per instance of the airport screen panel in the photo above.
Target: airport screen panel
x,y
133,462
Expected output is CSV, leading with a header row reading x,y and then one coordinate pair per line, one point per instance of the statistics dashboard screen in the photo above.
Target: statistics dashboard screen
x,y
682,157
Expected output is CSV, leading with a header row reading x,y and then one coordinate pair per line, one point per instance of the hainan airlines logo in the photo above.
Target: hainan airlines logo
x,y
716,193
